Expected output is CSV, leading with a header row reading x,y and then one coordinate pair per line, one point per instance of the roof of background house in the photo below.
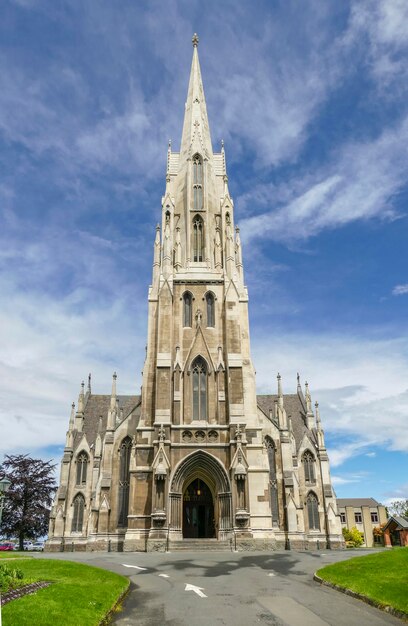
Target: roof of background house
x,y
357,502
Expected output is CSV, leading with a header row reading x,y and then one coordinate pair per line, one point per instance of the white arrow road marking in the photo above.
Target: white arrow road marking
x,y
164,575
134,566
197,590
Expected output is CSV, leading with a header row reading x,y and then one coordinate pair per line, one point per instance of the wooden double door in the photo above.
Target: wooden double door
x,y
198,511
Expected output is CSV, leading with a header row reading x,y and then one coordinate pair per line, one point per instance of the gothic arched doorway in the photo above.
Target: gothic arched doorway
x,y
198,511
200,471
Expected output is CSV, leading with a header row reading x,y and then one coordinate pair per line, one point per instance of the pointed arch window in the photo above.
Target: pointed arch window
x,y
198,239
210,310
187,309
273,483
197,183
199,389
78,515
313,511
81,468
124,480
309,467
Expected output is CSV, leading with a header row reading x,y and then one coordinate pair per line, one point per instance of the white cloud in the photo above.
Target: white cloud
x,y
348,479
359,184
360,384
400,290
382,29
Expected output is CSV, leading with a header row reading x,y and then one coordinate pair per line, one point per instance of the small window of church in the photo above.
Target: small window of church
x,y
199,389
197,183
78,516
82,467
313,512
124,480
198,239
210,310
187,309
309,467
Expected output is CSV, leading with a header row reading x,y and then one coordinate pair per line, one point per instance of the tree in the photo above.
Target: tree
x,y
27,505
398,507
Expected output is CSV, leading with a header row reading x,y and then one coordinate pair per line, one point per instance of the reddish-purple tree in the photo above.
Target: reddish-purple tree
x,y
28,501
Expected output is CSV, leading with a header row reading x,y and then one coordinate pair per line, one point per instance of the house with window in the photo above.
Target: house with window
x,y
365,514
198,456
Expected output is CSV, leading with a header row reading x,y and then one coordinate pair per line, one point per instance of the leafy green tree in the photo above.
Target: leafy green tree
x,y
29,498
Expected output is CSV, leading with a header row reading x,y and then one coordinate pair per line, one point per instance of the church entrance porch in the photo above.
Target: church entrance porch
x,y
198,511
200,499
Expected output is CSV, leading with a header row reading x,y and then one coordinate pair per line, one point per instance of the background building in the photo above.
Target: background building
x,y
363,513
198,455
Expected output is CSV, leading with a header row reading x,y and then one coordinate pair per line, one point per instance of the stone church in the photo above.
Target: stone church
x,y
198,457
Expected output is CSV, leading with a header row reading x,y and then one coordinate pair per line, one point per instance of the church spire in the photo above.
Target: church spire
x,y
196,129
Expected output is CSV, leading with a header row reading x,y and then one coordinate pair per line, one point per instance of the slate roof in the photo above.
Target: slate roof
x,y
294,408
98,405
358,502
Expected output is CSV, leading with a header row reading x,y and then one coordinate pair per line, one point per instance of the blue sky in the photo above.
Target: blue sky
x,y
311,101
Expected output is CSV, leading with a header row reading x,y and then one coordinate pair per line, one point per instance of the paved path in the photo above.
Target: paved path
x,y
238,589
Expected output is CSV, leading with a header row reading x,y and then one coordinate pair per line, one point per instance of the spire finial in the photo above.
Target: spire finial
x,y
89,382
318,421
195,40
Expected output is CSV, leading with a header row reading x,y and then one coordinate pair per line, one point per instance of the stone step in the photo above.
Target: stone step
x,y
199,545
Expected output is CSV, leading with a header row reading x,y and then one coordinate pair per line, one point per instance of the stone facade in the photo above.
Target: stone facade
x,y
198,455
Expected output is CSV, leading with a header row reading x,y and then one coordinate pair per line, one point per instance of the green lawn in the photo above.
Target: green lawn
x,y
80,596
383,577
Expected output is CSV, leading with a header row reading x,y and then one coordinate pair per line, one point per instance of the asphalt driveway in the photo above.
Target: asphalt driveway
x,y
206,588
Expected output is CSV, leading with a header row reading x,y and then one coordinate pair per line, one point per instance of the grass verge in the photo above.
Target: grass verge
x,y
81,595
381,577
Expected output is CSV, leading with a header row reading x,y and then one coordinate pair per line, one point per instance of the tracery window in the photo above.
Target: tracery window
x,y
78,515
199,389
309,467
187,309
313,511
81,468
198,239
210,310
197,183
273,484
124,480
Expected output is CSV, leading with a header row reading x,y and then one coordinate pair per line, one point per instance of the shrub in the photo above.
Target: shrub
x,y
10,577
353,537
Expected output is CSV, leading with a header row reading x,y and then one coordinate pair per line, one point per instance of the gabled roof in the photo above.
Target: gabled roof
x,y
399,520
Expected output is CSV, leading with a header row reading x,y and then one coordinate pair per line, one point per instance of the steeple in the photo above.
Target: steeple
x,y
196,129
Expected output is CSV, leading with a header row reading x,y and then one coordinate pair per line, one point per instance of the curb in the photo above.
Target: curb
x,y
360,596
20,592
107,619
